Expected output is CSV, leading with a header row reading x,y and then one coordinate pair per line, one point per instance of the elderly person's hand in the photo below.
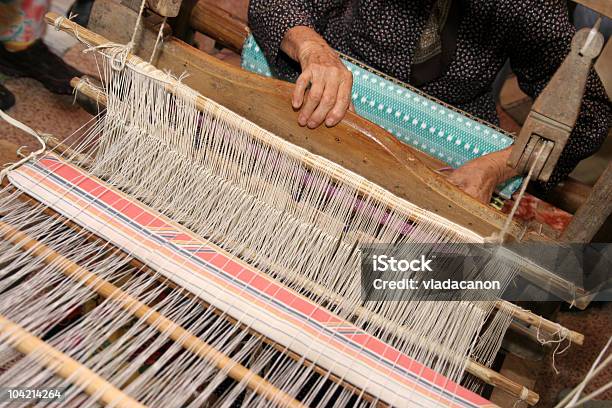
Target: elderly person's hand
x,y
480,176
323,90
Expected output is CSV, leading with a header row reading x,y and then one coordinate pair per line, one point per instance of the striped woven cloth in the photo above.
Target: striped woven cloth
x,y
244,293
411,116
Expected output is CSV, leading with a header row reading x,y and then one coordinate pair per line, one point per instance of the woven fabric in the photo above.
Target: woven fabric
x,y
410,116
246,294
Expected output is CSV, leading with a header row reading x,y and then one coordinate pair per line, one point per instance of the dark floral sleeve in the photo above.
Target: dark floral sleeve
x,y
542,38
269,20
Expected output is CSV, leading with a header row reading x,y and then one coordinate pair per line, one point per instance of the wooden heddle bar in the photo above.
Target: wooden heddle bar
x,y
188,341
64,366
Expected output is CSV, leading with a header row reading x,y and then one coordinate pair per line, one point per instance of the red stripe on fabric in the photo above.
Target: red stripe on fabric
x,y
262,283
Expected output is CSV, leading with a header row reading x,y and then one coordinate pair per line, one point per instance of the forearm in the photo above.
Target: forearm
x,y
271,20
301,41
498,163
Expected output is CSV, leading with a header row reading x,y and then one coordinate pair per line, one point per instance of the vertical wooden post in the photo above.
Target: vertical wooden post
x,y
593,213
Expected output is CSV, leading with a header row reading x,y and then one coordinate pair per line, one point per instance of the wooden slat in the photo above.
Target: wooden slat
x,y
594,212
212,20
601,6
177,333
521,372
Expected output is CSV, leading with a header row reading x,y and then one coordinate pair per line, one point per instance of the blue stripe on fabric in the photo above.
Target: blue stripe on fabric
x,y
241,285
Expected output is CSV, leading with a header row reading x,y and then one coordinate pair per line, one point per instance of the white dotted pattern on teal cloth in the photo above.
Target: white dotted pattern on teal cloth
x,y
412,118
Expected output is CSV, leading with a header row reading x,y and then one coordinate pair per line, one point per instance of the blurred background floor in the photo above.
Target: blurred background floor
x,y
45,111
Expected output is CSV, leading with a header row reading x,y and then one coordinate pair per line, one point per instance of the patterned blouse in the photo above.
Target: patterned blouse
x,y
22,21
535,35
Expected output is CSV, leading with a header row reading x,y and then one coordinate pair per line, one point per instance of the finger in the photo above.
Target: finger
x,y
456,179
488,194
343,101
330,96
300,88
480,195
312,100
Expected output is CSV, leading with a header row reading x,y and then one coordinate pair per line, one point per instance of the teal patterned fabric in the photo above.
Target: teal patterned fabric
x,y
411,117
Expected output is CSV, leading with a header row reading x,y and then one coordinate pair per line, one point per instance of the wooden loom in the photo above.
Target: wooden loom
x,y
425,188
27,343
356,143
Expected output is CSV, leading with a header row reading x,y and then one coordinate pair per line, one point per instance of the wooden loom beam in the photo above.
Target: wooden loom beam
x,y
600,6
188,341
210,19
355,144
64,366
593,213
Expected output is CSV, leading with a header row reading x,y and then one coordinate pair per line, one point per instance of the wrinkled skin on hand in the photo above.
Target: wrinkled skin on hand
x,y
480,176
323,90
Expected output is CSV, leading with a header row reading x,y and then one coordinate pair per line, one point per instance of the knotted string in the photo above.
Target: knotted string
x,y
562,333
118,53
26,158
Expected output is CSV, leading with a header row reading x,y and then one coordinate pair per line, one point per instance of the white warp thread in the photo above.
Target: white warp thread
x,y
29,131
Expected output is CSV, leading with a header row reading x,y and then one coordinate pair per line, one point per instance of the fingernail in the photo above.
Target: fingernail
x,y
312,125
329,122
302,121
